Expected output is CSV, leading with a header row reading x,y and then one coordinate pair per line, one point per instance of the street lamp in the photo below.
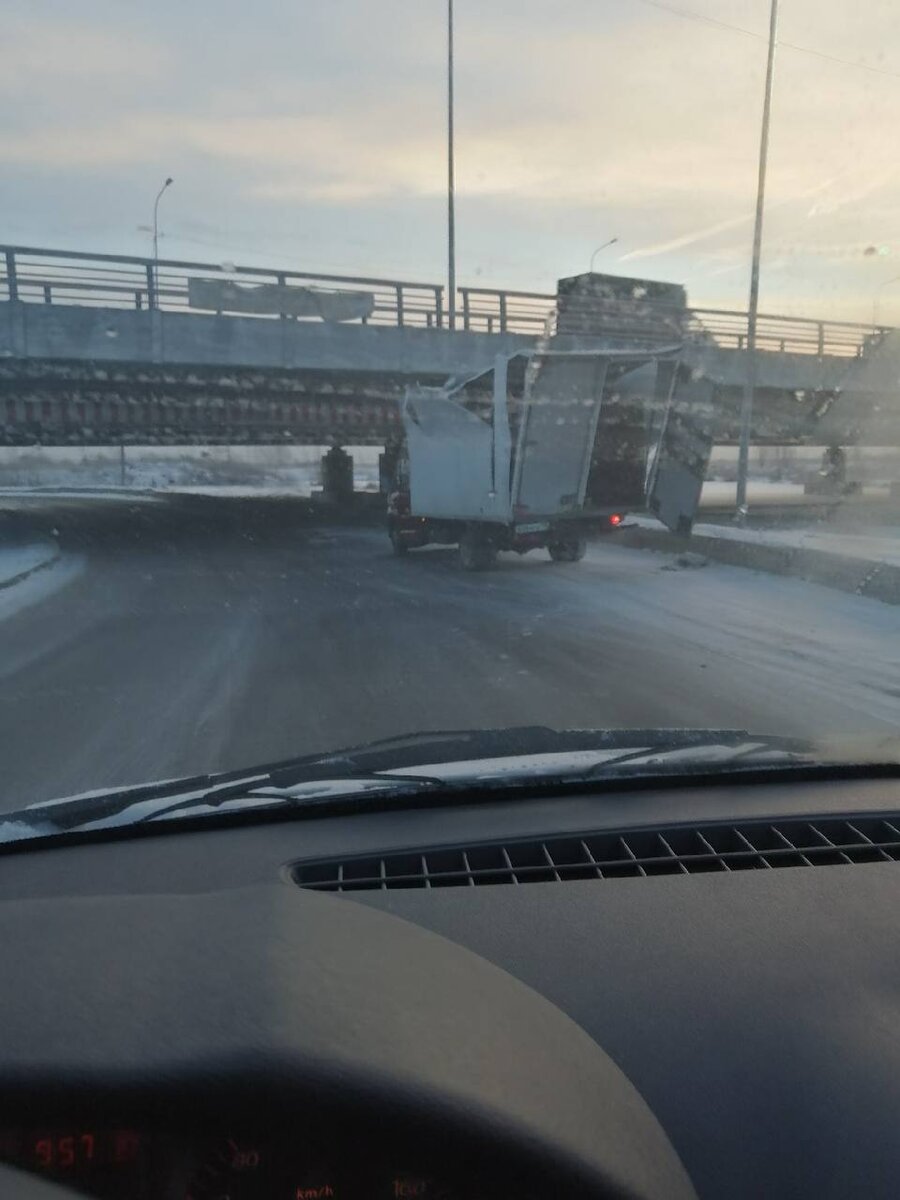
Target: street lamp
x,y
876,297
451,177
611,242
155,297
753,306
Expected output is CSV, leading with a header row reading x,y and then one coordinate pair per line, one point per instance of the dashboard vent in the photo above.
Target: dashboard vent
x,y
679,850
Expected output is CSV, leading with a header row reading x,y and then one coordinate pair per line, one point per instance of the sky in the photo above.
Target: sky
x,y
312,135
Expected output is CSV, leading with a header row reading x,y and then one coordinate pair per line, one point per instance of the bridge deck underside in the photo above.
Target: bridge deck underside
x,y
57,403
53,402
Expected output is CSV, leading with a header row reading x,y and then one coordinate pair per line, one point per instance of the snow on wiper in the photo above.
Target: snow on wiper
x,y
650,757
750,753
297,785
311,792
467,745
404,767
120,809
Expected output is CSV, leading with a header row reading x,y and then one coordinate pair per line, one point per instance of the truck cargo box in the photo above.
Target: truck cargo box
x,y
551,434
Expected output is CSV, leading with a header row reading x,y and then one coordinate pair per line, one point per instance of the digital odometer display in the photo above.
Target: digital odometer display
x,y
105,1162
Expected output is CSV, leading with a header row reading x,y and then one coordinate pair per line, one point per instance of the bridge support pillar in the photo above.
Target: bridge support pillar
x,y
337,475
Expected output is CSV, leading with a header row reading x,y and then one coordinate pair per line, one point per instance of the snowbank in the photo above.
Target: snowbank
x,y
40,582
18,562
867,564
880,544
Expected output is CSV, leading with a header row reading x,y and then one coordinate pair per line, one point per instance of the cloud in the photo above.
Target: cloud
x,y
589,117
43,55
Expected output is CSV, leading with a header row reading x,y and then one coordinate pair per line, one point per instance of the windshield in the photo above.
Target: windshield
x,y
430,369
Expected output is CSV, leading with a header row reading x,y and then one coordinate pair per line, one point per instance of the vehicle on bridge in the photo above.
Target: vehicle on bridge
x,y
546,450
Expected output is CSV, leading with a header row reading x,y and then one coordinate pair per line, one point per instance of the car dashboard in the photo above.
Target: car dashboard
x,y
121,1163
376,1005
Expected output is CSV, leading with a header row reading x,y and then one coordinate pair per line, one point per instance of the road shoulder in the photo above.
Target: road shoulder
x,y
873,575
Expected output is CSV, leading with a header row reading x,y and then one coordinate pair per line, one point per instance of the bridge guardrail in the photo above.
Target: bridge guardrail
x,y
490,310
43,276
37,275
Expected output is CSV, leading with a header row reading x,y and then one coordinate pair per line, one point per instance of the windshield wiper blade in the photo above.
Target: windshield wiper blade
x,y
346,786
432,747
511,760
310,792
780,753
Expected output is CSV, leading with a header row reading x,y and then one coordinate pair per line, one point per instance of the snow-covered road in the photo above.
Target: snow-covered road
x,y
189,645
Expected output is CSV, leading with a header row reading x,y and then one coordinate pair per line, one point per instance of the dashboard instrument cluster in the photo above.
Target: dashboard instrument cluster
x,y
128,1164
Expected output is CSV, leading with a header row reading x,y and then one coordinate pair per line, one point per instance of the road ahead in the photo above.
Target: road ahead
x,y
218,635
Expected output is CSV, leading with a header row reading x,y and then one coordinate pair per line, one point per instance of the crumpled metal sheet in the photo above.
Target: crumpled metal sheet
x,y
224,295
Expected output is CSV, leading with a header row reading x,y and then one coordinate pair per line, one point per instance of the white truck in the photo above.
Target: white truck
x,y
546,449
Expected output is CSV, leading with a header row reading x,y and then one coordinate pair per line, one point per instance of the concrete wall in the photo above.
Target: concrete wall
x,y
132,335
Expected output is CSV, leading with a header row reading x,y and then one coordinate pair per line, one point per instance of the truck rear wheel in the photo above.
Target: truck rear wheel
x,y
475,552
569,550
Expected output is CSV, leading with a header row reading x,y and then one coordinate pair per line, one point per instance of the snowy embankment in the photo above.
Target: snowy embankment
x,y
31,572
877,544
17,563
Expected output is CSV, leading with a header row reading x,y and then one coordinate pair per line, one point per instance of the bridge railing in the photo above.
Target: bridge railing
x,y
36,275
786,335
122,281
489,310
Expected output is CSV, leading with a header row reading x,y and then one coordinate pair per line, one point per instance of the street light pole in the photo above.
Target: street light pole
x,y
155,297
750,383
611,242
876,298
451,178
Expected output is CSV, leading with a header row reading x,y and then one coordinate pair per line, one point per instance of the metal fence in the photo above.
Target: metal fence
x,y
488,310
35,275
120,281
791,335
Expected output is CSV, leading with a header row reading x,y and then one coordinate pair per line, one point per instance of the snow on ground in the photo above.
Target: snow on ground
x,y
117,494
40,585
766,491
877,544
237,491
31,572
717,492
290,469
16,561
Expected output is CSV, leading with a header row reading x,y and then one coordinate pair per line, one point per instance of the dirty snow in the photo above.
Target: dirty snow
x,y
117,494
18,560
718,492
295,470
40,585
877,544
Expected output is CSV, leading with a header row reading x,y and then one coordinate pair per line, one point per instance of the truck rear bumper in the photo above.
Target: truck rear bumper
x,y
521,536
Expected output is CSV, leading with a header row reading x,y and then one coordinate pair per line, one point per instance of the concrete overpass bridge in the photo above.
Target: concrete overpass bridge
x,y
106,349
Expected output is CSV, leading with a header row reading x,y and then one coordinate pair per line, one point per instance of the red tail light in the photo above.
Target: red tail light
x,y
615,519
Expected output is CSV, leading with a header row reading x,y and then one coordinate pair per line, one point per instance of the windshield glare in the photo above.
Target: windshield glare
x,y
495,383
